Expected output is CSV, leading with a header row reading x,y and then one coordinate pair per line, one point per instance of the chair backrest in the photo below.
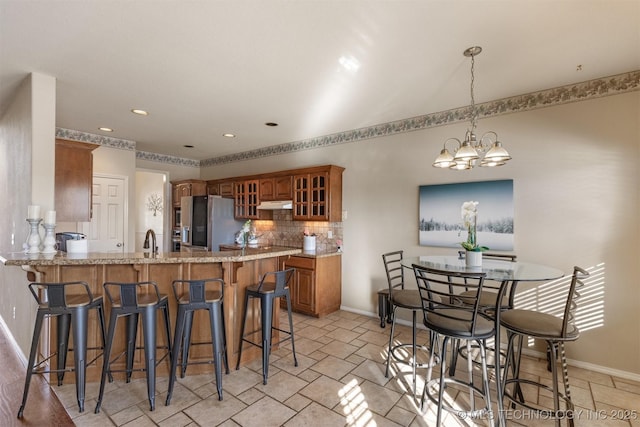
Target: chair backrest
x,y
197,289
393,267
440,294
278,279
126,294
56,294
568,319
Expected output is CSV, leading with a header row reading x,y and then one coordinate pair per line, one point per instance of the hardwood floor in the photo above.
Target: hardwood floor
x,y
43,407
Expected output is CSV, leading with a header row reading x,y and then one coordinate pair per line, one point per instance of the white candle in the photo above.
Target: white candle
x,y
33,212
50,217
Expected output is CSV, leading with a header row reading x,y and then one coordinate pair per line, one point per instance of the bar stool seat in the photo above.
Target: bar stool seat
x,y
70,303
130,300
271,286
204,294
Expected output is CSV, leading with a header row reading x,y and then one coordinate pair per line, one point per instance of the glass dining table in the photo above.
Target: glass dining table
x,y
495,270
506,272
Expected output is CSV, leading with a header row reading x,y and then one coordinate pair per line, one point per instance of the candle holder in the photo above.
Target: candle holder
x,y
33,241
49,241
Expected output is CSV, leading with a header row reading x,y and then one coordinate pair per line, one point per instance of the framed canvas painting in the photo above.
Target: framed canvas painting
x,y
440,214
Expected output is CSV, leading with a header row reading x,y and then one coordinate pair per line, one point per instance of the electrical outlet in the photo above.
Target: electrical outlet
x,y
344,215
330,234
14,313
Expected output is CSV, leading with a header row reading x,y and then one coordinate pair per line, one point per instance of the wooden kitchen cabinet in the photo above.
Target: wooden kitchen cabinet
x,y
276,188
246,199
190,187
317,284
73,180
222,188
317,194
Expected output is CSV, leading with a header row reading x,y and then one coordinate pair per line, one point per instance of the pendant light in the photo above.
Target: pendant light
x,y
486,152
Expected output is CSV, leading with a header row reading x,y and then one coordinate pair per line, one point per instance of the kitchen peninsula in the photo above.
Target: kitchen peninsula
x,y
238,268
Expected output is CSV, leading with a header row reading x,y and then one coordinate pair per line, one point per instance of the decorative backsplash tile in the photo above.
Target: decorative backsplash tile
x,y
283,231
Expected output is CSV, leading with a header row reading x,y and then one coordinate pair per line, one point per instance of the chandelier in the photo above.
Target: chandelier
x,y
486,151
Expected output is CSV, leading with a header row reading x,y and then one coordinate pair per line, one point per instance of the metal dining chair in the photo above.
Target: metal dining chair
x,y
446,316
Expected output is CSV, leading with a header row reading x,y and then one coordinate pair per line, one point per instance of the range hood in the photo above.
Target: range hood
x,y
272,205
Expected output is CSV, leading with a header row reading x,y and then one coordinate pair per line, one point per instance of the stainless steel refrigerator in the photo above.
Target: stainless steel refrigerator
x,y
207,222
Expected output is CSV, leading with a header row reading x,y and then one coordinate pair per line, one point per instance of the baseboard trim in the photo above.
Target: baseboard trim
x,y
571,362
13,342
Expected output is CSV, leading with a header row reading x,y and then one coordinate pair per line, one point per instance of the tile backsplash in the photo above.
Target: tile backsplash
x,y
283,231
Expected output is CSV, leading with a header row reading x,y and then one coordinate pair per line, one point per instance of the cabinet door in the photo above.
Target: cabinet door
x,y
303,292
311,197
226,189
267,189
319,189
183,190
283,188
301,197
73,180
246,199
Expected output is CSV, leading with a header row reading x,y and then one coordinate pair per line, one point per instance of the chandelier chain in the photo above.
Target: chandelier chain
x,y
474,113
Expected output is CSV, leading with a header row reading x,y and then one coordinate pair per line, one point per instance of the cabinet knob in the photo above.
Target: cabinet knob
x,y
119,245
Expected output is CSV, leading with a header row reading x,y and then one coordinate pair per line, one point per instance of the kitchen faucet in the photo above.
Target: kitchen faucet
x,y
154,248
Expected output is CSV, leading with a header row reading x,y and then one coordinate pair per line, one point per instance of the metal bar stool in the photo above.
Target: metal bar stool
x,y
488,304
70,302
409,299
271,286
555,331
205,294
445,315
130,300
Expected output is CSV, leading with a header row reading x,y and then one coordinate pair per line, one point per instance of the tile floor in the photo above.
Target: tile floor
x,y
339,382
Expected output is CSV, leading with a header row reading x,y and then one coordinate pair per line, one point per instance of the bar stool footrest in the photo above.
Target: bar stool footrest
x,y
462,351
411,358
468,414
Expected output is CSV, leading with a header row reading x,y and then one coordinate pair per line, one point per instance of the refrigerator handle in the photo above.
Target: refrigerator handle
x,y
185,234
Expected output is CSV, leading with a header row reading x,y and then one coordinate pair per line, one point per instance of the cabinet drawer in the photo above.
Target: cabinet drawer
x,y
301,262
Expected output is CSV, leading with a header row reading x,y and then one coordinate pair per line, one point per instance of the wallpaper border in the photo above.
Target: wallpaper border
x,y
591,89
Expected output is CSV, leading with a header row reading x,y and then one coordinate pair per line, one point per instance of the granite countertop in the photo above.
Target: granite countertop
x,y
62,258
302,253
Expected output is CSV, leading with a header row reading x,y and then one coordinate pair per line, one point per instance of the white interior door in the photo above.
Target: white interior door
x,y
106,229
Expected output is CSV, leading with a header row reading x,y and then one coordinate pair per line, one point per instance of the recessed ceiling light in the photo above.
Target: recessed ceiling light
x,y
188,146
228,135
106,129
271,124
140,112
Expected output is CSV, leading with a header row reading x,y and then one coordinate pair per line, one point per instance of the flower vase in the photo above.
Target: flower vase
x,y
473,259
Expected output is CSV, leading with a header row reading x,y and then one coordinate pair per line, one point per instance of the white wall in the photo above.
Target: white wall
x,y
576,199
148,183
27,142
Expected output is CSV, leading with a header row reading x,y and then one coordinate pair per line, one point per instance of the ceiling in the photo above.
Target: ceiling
x,y
204,68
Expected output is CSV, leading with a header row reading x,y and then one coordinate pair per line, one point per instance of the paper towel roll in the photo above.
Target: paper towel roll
x,y
76,246
309,243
